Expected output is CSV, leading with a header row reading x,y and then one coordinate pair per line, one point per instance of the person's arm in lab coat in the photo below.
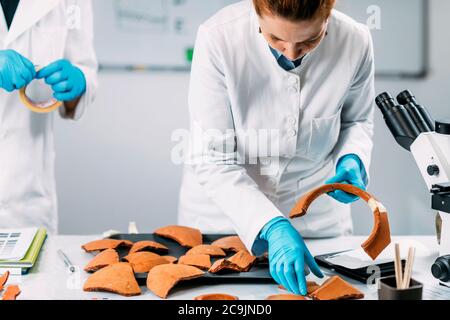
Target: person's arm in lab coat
x,y
213,153
80,52
357,124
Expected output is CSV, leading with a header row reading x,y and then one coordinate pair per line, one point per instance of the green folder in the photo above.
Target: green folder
x,y
31,256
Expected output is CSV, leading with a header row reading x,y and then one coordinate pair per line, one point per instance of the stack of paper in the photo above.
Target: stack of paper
x,y
20,248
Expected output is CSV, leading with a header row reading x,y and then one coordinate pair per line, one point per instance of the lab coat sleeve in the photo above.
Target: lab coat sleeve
x,y
357,119
80,51
212,152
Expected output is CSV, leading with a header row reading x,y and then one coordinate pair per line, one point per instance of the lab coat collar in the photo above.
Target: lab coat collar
x,y
27,14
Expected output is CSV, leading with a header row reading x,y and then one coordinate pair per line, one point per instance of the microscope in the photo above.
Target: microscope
x,y
429,142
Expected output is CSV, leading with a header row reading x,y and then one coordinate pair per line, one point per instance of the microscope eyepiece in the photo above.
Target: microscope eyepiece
x,y
385,102
406,97
398,120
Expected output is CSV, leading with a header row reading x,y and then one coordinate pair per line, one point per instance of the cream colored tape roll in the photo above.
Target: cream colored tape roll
x,y
46,107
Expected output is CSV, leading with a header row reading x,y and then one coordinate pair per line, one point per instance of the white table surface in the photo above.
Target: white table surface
x,y
50,280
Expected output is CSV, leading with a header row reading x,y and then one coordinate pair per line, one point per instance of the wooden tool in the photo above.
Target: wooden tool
x,y
398,266
408,269
403,279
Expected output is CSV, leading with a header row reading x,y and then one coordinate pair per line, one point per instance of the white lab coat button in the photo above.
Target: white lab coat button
x,y
292,133
292,120
293,90
293,80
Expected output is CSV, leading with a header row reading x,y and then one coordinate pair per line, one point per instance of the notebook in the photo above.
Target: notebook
x,y
20,248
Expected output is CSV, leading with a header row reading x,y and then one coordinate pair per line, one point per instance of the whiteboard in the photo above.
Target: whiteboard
x,y
160,34
400,38
149,33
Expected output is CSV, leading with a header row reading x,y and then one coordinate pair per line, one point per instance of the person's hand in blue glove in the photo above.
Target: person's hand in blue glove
x,y
67,81
16,71
288,255
349,170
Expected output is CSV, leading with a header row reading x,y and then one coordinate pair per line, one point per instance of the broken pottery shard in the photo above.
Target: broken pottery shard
x,y
117,278
220,265
3,279
11,293
148,246
161,279
240,262
380,237
104,244
243,260
216,296
286,297
336,288
201,261
170,259
143,262
185,236
103,259
311,287
213,251
231,243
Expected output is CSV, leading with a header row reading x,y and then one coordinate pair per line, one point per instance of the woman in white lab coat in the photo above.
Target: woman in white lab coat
x,y
301,74
56,35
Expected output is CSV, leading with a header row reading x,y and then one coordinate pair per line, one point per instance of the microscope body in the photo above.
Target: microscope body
x,y
429,142
431,152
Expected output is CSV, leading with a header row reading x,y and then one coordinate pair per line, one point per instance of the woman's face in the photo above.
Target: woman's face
x,y
294,39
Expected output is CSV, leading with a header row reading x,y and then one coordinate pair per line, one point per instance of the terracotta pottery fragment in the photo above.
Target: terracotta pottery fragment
x,y
103,259
286,297
243,260
3,279
144,261
11,293
148,246
336,288
185,236
170,259
104,244
231,243
201,261
240,262
161,279
380,237
216,296
311,286
116,278
210,250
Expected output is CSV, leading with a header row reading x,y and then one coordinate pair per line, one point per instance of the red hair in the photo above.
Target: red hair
x,y
295,10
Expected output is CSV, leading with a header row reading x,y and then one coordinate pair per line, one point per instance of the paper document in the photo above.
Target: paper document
x,y
14,244
358,258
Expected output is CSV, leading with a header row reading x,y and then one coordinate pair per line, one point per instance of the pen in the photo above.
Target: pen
x,y
66,260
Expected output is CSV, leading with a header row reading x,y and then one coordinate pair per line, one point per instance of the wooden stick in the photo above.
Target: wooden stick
x,y
408,269
398,267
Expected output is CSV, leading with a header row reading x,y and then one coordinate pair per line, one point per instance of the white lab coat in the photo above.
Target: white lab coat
x,y
322,110
42,31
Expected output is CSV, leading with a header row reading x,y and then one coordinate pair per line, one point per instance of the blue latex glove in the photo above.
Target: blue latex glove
x,y
67,81
349,170
288,255
16,71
